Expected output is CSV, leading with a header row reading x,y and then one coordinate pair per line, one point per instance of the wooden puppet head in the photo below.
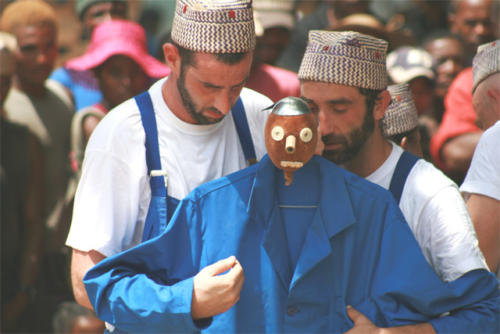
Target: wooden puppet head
x,y
291,135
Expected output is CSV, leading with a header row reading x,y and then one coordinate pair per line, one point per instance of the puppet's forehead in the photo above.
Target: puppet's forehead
x,y
291,106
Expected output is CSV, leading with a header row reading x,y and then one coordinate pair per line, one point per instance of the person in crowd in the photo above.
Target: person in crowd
x,y
42,106
453,144
326,16
156,18
72,318
273,20
416,17
415,66
118,56
400,122
448,53
309,245
473,21
199,123
349,105
82,86
22,208
481,186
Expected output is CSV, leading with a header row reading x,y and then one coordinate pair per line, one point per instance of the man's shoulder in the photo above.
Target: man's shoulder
x,y
426,179
122,113
357,186
492,134
119,126
237,182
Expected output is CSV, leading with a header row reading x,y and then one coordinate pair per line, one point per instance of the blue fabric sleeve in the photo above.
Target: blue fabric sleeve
x,y
482,315
61,75
408,290
149,287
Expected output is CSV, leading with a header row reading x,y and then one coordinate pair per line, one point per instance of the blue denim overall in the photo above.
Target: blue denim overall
x,y
405,164
163,206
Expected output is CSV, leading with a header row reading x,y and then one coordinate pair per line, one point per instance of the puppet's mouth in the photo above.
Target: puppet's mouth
x,y
292,164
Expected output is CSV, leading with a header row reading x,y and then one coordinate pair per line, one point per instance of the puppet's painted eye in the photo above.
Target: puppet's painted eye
x,y
277,133
306,135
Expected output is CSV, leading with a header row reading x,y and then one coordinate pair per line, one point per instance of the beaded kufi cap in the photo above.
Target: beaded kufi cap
x,y
401,114
345,58
486,62
214,26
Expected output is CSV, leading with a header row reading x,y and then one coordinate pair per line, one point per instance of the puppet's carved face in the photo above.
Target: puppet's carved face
x,y
291,136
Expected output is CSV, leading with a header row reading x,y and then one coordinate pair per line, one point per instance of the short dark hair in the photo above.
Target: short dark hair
x,y
227,58
371,96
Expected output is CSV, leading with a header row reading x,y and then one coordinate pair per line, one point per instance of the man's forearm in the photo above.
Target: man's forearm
x,y
81,262
410,329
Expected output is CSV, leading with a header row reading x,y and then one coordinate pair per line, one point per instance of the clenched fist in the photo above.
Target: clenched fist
x,y
214,293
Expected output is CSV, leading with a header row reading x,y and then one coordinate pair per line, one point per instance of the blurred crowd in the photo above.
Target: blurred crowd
x,y
65,63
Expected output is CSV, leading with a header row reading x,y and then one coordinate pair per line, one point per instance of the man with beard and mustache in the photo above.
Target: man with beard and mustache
x,y
129,190
344,80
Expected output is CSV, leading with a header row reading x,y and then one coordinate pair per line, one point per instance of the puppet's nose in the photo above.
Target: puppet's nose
x,y
290,144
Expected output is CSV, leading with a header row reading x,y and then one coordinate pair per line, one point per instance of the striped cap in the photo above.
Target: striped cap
x,y
214,26
401,115
345,58
486,62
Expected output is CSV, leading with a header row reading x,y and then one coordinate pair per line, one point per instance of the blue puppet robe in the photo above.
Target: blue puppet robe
x,y
356,250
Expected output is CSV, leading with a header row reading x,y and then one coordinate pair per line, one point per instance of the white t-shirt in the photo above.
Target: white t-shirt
x,y
113,195
483,176
437,215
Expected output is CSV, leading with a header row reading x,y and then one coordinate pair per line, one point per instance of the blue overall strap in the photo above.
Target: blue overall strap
x,y
241,122
156,219
405,164
153,161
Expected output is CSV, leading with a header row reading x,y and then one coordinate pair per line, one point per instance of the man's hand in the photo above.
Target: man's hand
x,y
364,325
214,293
361,323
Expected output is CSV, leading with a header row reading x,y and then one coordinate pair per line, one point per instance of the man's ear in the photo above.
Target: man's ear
x,y
381,104
404,143
172,58
494,93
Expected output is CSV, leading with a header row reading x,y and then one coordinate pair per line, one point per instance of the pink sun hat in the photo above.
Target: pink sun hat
x,y
119,37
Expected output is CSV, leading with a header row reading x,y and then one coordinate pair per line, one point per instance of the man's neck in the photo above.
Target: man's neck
x,y
373,154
